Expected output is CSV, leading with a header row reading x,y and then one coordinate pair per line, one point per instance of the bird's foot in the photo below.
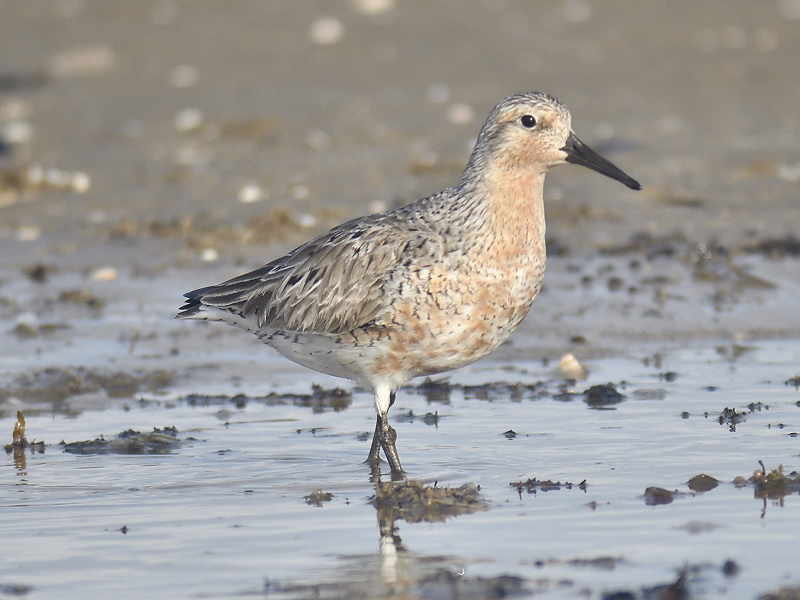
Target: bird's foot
x,y
385,437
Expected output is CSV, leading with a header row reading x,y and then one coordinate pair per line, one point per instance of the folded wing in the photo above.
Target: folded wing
x,y
331,284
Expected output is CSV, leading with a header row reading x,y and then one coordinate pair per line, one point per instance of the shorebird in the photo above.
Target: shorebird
x,y
428,287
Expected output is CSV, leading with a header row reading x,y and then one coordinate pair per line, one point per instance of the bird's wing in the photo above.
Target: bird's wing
x,y
331,284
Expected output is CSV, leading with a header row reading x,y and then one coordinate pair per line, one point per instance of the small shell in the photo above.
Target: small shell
x,y
326,30
252,192
570,368
105,274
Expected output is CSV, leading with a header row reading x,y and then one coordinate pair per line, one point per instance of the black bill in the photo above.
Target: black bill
x,y
579,153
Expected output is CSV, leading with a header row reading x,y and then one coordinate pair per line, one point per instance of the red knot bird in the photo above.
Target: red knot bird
x,y
420,289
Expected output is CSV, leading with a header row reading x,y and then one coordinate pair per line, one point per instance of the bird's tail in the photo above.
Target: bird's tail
x,y
193,307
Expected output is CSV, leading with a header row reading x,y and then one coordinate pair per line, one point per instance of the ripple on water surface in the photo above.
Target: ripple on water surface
x,y
589,488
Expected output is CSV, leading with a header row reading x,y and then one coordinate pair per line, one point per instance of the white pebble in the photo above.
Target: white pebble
x,y
570,368
18,132
28,233
105,274
209,255
86,60
305,220
188,119
326,30
788,172
460,114
252,192
183,76
27,319
377,206
372,7
81,182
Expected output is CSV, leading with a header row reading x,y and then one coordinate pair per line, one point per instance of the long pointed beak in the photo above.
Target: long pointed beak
x,y
579,153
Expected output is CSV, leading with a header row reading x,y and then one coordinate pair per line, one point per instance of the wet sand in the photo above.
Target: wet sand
x,y
149,148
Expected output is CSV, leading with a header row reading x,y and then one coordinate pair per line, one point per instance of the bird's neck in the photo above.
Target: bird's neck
x,y
511,201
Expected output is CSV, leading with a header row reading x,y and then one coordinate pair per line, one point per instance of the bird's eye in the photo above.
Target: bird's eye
x,y
528,121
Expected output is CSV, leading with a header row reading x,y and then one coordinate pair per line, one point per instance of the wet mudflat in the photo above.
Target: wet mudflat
x,y
151,147
521,485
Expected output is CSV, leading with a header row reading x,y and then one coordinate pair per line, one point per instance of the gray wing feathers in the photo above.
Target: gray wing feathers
x,y
332,284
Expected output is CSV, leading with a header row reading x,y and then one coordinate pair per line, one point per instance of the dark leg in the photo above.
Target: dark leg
x,y
375,449
387,441
384,438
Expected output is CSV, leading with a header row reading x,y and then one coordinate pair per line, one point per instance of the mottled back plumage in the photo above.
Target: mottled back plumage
x,y
329,285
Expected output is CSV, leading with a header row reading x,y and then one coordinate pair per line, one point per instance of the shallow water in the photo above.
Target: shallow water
x,y
225,513
123,161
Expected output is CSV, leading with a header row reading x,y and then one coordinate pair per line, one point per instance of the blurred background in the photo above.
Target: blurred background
x,y
164,132
150,147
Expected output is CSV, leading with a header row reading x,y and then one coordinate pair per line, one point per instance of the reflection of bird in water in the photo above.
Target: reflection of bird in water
x,y
410,501
424,288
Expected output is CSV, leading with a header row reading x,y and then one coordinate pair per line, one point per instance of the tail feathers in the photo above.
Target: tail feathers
x,y
193,308
202,305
